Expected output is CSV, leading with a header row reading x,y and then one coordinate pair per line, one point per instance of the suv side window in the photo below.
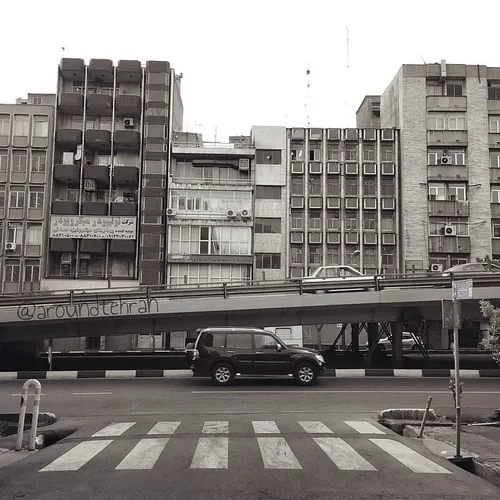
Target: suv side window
x,y
216,340
239,341
263,341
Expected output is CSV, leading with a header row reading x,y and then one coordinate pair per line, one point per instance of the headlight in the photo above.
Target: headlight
x,y
320,358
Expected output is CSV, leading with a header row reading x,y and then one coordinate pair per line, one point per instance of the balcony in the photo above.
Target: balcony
x,y
125,176
493,106
448,207
129,71
71,104
447,173
444,103
100,69
447,137
495,210
449,244
62,207
94,208
127,140
68,138
128,105
122,246
99,173
494,140
67,174
495,175
100,104
495,246
124,209
72,69
98,140
186,144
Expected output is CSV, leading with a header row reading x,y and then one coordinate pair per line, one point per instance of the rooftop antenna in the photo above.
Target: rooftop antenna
x,y
423,60
63,49
308,85
346,62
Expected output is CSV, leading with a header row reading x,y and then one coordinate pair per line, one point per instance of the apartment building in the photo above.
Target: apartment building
x,y
26,130
449,121
368,113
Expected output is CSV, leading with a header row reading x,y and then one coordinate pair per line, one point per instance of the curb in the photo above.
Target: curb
x,y
176,374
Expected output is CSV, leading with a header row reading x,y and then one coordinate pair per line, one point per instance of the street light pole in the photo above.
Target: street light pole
x,y
457,368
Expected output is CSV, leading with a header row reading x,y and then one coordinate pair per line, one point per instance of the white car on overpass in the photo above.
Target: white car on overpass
x,y
339,275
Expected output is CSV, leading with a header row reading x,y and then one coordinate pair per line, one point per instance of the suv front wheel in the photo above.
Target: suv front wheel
x,y
305,373
222,374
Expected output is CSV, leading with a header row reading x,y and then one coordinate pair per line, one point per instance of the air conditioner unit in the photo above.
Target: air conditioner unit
x,y
89,185
437,268
244,164
445,160
66,258
10,246
450,230
170,212
246,214
128,122
231,214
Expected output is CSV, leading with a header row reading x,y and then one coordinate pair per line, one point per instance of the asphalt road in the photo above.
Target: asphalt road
x,y
267,440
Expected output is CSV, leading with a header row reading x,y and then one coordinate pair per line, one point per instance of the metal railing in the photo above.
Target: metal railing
x,y
215,145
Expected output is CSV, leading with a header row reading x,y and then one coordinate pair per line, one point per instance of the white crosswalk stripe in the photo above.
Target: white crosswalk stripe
x,y
78,456
265,427
113,430
164,428
216,427
211,453
315,427
343,455
144,455
276,454
413,460
363,427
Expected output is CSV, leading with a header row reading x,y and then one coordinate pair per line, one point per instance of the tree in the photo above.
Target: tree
x,y
492,313
488,260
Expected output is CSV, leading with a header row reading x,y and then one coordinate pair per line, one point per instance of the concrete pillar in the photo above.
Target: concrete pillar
x,y
397,344
102,343
355,337
83,343
372,333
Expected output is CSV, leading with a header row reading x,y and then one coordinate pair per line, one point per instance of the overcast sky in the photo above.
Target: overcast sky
x,y
245,63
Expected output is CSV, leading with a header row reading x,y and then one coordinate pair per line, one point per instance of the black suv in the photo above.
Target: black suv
x,y
224,352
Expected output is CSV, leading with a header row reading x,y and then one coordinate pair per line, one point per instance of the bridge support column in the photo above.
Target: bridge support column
x,y
355,338
397,344
372,333
14,355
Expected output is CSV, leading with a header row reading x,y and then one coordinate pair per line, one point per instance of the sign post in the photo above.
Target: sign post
x,y
461,289
50,358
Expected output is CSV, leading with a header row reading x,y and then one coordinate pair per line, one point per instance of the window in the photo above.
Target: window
x,y
369,187
4,125
315,255
456,123
315,222
495,159
351,224
386,153
315,202
205,200
36,197
297,154
214,340
12,270
388,203
370,257
437,192
495,195
332,256
315,186
387,224
315,154
333,168
436,122
297,202
2,199
369,223
333,223
368,155
387,256
268,192
297,237
15,233
315,168
351,154
297,255
496,230
16,197
40,126
435,89
370,203
4,160
333,187
332,153
297,186
21,125
493,90
268,156
38,162
432,158
494,124
19,161
454,89
457,192
239,341
268,260
297,222
37,101
351,186
457,157
316,238
267,225
446,121
263,341
34,234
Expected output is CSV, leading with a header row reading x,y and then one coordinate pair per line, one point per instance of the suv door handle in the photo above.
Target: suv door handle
x,y
259,352
230,350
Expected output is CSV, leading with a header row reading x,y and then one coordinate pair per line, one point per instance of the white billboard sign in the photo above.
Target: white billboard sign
x,y
97,227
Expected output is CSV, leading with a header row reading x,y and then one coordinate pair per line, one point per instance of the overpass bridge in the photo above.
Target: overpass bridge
x,y
164,308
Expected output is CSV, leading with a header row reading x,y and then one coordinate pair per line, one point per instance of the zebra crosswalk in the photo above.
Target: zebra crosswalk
x,y
350,445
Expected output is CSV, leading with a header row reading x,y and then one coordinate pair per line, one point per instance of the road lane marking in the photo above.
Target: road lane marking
x,y
215,427
413,460
92,393
276,454
164,428
343,455
144,455
29,394
114,429
363,427
314,427
340,392
77,456
265,427
211,453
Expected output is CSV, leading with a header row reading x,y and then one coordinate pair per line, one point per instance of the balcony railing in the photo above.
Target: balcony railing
x,y
447,137
218,182
215,145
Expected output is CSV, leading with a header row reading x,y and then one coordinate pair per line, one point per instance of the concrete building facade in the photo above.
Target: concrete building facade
x,y
449,121
25,169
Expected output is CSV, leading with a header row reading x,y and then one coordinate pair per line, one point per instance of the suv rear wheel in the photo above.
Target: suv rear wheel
x,y
304,373
222,374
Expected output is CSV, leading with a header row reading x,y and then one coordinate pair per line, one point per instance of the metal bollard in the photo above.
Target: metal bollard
x,y
422,426
22,414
